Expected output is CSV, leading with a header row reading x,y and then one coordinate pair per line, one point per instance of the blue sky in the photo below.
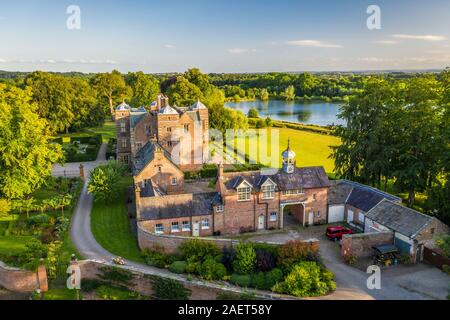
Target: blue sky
x,y
224,36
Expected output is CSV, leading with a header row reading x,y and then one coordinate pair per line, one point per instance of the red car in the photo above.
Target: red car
x,y
336,233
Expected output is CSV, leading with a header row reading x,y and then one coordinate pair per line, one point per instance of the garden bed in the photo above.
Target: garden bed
x,y
38,228
294,268
81,147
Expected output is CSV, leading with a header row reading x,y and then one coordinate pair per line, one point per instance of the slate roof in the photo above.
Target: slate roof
x,y
399,218
145,156
365,197
308,177
194,115
136,115
178,206
198,105
168,110
123,107
338,192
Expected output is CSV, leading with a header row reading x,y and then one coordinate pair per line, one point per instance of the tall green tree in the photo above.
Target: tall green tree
x,y
111,88
53,95
26,154
144,88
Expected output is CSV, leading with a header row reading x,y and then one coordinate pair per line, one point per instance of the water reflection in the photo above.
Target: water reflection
x,y
318,113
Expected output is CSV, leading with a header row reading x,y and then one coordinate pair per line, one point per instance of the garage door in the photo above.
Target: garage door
x,y
335,214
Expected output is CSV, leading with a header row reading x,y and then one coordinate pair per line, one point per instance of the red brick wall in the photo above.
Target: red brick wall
x,y
149,225
163,178
360,245
18,280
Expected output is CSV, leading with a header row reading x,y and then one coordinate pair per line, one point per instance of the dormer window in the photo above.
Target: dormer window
x,y
244,193
268,190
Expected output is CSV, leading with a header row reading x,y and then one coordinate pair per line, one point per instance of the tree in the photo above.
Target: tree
x,y
184,93
289,93
264,95
253,113
104,181
111,88
5,207
28,205
26,154
144,88
53,96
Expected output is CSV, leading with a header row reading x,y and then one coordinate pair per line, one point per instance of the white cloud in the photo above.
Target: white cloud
x,y
169,46
419,37
313,43
240,50
387,42
2,60
373,59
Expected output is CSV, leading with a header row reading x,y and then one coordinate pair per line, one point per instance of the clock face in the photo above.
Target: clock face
x,y
290,168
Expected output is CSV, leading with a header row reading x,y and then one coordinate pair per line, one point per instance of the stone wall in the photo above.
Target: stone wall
x,y
360,245
200,290
18,280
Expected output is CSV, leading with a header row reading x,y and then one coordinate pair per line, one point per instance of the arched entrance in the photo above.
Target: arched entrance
x,y
293,214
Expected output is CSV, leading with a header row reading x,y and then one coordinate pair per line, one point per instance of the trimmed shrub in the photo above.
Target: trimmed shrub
x,y
265,260
178,267
258,281
245,260
292,252
193,266
228,254
273,277
306,279
199,249
241,280
39,220
212,270
157,257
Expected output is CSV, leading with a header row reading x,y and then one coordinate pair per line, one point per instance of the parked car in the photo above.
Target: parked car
x,y
335,233
119,260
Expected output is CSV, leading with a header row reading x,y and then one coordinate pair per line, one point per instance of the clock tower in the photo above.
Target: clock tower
x,y
288,159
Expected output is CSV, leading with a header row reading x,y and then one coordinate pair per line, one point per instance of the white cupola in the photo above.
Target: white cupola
x,y
288,156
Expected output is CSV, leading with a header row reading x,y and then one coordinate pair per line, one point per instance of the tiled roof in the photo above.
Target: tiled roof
x,y
338,192
365,198
145,155
176,206
396,217
198,105
168,110
136,116
123,107
309,177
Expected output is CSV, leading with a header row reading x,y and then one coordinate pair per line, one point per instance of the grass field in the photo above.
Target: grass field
x,y
108,131
13,245
111,226
312,149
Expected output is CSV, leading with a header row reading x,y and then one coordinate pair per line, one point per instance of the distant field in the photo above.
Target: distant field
x,y
312,149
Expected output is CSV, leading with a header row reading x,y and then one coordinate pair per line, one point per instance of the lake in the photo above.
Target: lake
x,y
318,113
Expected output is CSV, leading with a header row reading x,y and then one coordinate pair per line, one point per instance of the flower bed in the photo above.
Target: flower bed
x,y
293,268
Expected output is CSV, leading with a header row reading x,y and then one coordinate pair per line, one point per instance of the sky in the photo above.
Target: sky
x,y
223,35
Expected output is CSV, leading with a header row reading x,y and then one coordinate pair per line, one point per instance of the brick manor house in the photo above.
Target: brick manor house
x,y
241,202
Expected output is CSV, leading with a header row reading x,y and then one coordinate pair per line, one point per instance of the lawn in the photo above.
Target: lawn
x,y
13,245
312,149
111,226
60,294
108,131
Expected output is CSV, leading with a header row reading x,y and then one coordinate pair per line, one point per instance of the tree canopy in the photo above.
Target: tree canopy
x,y
26,155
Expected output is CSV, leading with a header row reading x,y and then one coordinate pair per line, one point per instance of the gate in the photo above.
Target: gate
x,y
435,258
